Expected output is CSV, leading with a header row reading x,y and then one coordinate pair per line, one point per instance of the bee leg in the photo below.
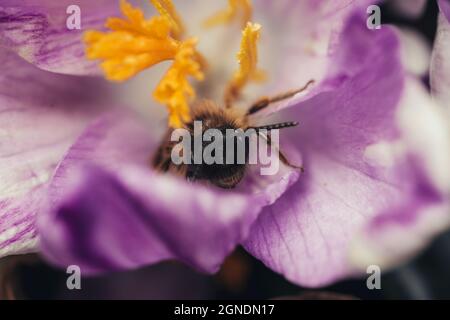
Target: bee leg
x,y
230,96
282,157
266,101
286,162
192,175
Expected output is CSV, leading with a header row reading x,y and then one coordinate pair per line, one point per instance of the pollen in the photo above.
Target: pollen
x,y
134,44
248,59
236,9
167,9
174,89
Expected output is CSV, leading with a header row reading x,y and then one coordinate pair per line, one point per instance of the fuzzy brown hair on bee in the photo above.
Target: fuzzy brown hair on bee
x,y
214,117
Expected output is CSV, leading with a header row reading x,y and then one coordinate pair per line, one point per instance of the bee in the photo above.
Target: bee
x,y
213,116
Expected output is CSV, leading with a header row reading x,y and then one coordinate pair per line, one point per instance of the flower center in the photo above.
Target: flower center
x,y
134,44
235,8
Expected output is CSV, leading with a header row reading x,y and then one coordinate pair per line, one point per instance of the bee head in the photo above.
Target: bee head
x,y
224,154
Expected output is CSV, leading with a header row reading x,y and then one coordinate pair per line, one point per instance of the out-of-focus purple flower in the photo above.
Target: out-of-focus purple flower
x,y
440,61
373,145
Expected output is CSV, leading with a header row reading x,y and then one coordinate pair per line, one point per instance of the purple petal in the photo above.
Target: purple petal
x,y
396,234
357,162
119,214
298,39
112,222
41,114
37,30
440,60
444,6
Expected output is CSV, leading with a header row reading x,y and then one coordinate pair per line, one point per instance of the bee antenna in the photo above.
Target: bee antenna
x,y
281,125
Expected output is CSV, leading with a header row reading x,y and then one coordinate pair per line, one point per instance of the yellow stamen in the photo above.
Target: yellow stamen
x,y
248,59
236,8
135,44
174,90
167,9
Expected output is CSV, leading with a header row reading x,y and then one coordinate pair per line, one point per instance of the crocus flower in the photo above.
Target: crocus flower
x,y
373,145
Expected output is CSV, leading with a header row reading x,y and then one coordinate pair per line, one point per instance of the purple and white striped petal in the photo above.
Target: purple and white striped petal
x,y
18,233
40,31
41,114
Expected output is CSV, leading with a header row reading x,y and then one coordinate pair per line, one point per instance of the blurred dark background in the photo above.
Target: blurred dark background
x,y
242,276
